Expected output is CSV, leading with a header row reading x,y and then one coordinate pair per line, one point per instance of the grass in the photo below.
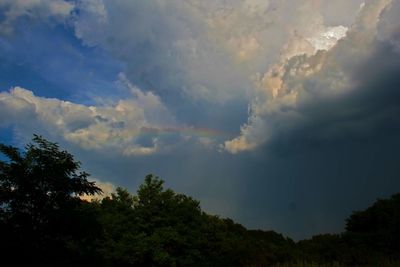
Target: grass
x,y
392,264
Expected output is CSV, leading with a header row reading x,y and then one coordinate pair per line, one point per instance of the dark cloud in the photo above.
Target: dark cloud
x,y
326,180
346,155
307,179
372,106
297,187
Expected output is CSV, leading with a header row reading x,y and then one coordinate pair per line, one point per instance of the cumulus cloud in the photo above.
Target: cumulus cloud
x,y
282,55
307,78
202,50
198,53
33,9
389,26
165,45
117,126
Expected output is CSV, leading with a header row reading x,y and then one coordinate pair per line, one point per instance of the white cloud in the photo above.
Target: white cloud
x,y
327,39
304,77
207,49
94,13
185,50
165,45
112,126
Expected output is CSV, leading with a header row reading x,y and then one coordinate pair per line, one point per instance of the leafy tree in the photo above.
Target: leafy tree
x,y
324,248
377,229
372,238
44,222
156,227
120,243
39,199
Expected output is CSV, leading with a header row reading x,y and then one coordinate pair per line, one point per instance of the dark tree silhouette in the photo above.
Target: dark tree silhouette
x,y
44,222
39,200
376,230
156,227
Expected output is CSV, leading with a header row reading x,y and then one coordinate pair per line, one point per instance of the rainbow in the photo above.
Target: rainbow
x,y
189,131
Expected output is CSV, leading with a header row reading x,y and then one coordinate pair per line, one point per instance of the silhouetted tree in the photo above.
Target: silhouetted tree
x,y
156,227
39,201
376,230
44,222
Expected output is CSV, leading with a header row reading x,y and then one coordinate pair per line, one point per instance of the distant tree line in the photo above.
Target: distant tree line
x,y
45,222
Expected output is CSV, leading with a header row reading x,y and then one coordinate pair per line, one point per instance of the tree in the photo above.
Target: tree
x,y
377,228
39,198
156,227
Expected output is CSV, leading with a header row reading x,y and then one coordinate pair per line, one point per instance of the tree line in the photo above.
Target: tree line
x,y
45,222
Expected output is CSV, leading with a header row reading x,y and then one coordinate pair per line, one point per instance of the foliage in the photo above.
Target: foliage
x,y
372,237
43,222
39,199
376,230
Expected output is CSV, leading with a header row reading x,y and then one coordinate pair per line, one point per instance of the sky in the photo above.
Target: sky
x,y
280,114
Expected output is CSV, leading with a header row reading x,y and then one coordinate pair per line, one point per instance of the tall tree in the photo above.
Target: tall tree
x,y
377,228
39,199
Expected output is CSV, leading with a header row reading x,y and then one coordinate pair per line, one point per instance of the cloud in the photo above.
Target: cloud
x,y
44,10
190,53
197,50
109,126
292,94
389,26
200,55
320,122
339,12
165,45
106,187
